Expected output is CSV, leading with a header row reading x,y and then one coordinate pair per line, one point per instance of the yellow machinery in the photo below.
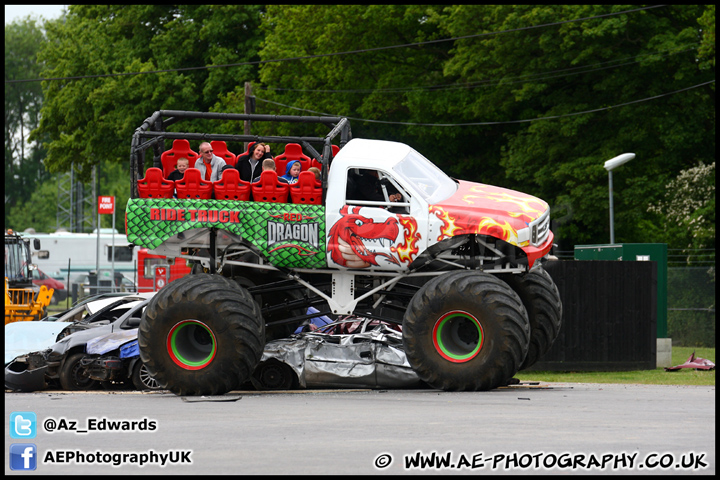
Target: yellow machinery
x,y
23,300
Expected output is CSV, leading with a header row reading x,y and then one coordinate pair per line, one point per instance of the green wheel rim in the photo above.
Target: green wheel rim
x,y
458,336
191,345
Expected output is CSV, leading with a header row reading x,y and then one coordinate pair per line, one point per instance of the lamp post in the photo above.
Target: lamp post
x,y
609,166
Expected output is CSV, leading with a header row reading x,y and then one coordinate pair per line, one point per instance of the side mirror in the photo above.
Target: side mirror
x,y
133,322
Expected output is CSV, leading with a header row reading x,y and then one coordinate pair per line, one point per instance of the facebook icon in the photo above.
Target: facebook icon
x,y
23,456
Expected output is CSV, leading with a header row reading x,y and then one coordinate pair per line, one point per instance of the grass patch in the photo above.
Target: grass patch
x,y
646,377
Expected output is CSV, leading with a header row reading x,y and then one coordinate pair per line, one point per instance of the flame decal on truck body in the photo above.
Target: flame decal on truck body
x,y
487,210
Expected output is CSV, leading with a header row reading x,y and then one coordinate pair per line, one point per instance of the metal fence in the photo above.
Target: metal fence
x,y
691,295
691,306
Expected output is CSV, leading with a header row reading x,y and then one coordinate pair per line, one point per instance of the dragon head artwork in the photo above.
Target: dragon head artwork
x,y
354,239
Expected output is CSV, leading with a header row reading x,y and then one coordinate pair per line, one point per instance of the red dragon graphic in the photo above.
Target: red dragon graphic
x,y
351,238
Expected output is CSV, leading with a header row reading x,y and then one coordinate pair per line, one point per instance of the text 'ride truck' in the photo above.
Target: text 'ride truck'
x,y
457,264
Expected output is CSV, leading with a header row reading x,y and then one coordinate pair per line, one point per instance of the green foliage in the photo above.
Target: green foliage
x,y
366,84
24,167
38,211
548,74
113,178
93,118
688,208
582,66
692,328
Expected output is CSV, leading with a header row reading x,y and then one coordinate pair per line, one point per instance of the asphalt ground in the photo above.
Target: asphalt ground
x,y
544,428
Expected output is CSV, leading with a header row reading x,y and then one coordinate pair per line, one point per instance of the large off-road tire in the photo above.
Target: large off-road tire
x,y
72,376
542,301
201,335
466,331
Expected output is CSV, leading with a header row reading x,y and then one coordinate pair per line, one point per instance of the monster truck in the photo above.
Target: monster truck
x,y
456,264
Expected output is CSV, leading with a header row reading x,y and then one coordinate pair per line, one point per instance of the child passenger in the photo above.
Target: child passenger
x,y
292,172
269,164
316,172
179,172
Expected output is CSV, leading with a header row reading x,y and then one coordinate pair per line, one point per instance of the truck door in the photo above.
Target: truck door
x,y
374,225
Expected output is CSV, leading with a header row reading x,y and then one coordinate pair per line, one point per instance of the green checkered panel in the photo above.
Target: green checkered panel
x,y
289,235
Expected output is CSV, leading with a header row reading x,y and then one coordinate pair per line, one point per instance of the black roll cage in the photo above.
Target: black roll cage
x,y
152,134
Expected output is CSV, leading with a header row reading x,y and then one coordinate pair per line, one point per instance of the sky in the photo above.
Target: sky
x,y
16,12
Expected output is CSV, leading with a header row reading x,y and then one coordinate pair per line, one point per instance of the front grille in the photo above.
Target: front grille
x,y
540,229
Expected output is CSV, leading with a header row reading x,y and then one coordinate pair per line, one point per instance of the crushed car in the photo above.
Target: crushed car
x,y
114,358
352,352
24,337
95,349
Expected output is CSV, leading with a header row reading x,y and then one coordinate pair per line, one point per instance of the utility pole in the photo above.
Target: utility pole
x,y
249,108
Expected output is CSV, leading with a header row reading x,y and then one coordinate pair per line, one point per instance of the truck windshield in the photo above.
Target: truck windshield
x,y
427,179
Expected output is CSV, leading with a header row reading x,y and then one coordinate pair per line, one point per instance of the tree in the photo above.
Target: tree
x,y
90,112
90,115
688,207
24,167
371,83
38,211
563,69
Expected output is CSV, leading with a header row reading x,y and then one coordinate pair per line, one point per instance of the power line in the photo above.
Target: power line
x,y
592,68
308,57
553,117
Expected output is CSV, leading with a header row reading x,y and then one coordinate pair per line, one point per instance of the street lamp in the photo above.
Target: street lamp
x,y
609,166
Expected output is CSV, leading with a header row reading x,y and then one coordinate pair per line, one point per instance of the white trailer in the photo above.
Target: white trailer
x,y
76,254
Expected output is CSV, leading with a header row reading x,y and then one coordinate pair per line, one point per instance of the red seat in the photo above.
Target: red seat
x,y
307,189
230,187
154,185
220,149
293,151
249,149
193,185
181,148
269,190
